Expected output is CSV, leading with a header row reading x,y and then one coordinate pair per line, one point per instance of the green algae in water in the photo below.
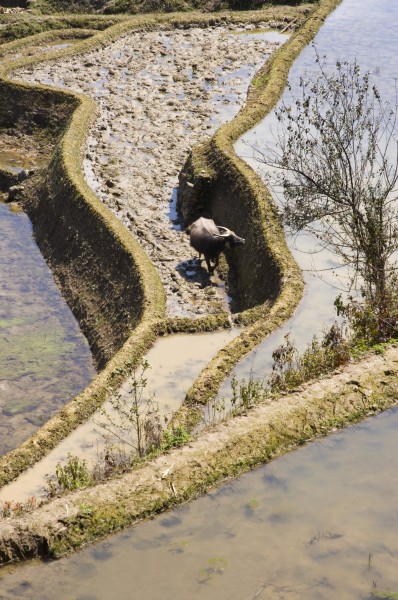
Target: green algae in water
x,y
42,355
44,358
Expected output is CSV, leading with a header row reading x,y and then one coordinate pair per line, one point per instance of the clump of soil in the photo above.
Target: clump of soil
x,y
19,149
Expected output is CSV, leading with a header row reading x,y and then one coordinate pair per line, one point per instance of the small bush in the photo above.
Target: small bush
x,y
291,368
8,508
112,462
133,420
245,394
174,438
72,476
371,320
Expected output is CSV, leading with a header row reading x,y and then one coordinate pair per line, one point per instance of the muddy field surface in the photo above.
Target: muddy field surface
x,y
160,93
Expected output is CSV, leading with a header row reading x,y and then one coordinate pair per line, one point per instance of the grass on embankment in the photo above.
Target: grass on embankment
x,y
118,504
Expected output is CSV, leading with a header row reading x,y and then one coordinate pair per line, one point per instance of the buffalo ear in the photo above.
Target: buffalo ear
x,y
228,245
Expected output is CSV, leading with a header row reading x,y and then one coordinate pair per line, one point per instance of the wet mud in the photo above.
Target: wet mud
x,y
160,93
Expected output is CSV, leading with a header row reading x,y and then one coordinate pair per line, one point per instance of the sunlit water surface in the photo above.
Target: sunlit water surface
x,y
175,360
319,523
359,29
44,358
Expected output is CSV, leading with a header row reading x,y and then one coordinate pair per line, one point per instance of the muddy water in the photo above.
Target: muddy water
x,y
345,35
62,43
158,94
44,358
317,524
59,44
14,161
175,362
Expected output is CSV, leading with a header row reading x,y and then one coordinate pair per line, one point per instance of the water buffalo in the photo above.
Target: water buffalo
x,y
210,240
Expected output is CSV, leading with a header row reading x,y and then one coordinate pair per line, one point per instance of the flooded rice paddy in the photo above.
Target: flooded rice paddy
x,y
345,35
59,44
14,161
317,524
175,361
44,358
159,94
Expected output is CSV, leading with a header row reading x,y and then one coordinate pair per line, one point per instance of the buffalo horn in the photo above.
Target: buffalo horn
x,y
224,231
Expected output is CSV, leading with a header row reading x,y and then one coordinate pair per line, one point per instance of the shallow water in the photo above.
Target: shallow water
x,y
14,161
175,361
61,44
316,524
319,523
175,86
345,35
44,358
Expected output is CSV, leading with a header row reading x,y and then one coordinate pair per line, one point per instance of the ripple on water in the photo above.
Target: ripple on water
x,y
319,523
44,358
316,524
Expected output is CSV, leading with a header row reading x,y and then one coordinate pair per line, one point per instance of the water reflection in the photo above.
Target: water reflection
x,y
44,358
14,161
176,361
168,381
319,523
345,35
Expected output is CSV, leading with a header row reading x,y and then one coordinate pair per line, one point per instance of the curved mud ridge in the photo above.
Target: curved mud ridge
x,y
224,451
63,181
158,94
107,279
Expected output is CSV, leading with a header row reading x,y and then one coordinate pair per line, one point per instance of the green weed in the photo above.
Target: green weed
x,y
133,420
174,438
245,394
291,369
72,476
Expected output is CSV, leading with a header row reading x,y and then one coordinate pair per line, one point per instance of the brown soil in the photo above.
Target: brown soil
x,y
159,93
223,451
27,150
